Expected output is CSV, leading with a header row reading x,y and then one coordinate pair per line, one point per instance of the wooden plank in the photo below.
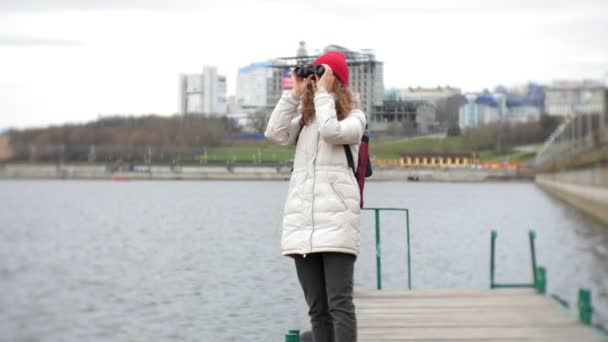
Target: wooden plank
x,y
454,302
361,294
465,315
461,320
479,334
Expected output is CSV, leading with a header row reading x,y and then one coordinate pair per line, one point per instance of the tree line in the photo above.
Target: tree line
x,y
190,131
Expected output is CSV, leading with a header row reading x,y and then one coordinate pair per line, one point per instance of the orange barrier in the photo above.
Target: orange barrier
x,y
500,165
482,165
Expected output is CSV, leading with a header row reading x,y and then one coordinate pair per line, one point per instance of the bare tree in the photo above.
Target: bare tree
x,y
258,120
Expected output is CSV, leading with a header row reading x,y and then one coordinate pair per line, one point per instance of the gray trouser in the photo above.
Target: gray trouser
x,y
327,281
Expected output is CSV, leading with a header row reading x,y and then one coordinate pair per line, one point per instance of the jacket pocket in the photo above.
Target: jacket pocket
x,y
338,195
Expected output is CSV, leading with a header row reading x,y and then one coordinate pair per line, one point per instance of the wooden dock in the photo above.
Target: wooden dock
x,y
505,315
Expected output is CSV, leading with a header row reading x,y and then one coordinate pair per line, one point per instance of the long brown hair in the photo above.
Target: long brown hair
x,y
345,102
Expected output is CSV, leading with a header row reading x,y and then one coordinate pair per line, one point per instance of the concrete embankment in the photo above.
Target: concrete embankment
x,y
236,172
585,189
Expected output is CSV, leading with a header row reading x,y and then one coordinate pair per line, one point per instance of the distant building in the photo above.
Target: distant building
x,y
203,93
415,106
519,106
531,93
214,92
396,114
413,117
191,93
431,95
479,109
564,98
302,49
522,110
231,105
426,119
259,86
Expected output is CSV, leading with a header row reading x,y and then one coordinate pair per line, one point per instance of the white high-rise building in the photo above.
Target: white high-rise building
x,y
203,93
191,93
258,86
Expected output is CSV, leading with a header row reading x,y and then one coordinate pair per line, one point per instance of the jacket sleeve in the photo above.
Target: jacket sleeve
x,y
348,131
283,128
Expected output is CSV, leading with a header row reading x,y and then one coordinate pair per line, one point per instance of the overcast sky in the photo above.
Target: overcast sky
x,y
73,60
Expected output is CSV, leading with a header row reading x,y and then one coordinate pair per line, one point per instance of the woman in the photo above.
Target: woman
x,y
321,214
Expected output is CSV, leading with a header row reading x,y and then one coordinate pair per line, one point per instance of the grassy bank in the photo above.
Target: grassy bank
x,y
379,148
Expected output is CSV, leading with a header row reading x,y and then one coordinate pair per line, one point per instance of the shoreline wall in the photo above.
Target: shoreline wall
x,y
236,172
585,189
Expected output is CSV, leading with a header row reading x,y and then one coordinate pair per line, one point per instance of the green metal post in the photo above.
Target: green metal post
x,y
541,280
296,333
492,251
409,257
533,255
378,256
584,306
291,338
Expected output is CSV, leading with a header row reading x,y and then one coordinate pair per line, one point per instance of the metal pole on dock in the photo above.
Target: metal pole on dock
x,y
409,259
541,280
584,306
492,260
378,255
533,255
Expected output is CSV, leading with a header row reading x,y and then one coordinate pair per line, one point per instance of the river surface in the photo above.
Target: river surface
x,y
200,261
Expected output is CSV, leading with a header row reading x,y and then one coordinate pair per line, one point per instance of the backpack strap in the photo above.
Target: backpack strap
x,y
349,158
302,123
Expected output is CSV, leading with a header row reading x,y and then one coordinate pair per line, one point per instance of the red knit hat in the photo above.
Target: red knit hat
x,y
337,62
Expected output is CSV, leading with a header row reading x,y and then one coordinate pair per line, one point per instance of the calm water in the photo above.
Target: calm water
x,y
200,261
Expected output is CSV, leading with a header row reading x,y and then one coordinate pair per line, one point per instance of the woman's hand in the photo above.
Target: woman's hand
x,y
299,83
326,82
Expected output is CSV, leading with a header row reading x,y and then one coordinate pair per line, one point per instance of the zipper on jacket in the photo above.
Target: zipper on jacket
x,y
312,202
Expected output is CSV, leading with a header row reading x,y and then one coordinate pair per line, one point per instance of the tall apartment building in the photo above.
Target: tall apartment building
x,y
203,93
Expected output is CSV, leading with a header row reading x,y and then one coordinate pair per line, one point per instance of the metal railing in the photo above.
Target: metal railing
x,y
577,133
539,277
378,245
493,284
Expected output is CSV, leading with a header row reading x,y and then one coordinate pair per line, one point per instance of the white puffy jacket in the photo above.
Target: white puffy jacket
x,y
322,211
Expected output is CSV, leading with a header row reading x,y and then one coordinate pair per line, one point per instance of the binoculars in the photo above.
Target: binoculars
x,y
306,70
